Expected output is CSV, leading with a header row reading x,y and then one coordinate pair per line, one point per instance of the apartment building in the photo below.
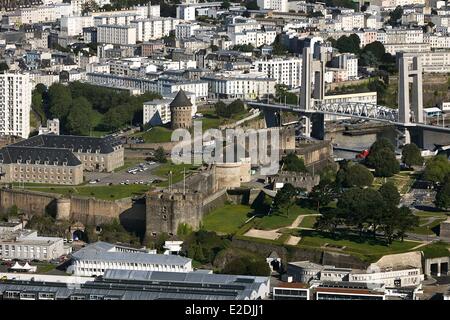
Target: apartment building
x,y
284,71
276,5
116,34
185,30
348,62
15,104
154,28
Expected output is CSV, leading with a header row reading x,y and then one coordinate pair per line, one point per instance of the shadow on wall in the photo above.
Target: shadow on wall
x,y
134,218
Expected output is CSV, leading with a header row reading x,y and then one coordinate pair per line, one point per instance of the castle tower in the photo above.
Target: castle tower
x,y
181,111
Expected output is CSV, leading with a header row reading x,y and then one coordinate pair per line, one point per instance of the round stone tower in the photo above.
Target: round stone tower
x,y
181,111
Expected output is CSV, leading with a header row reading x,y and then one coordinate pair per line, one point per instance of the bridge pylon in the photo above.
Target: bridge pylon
x,y
410,104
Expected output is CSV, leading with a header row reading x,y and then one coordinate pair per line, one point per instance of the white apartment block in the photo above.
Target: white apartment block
x,y
242,86
256,38
413,18
116,34
73,26
434,61
44,13
154,28
15,104
437,41
287,72
276,5
395,3
186,12
412,47
401,36
52,127
390,278
120,18
351,21
241,24
185,30
156,112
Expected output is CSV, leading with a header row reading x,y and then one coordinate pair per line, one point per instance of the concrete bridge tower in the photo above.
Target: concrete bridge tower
x,y
410,73
312,70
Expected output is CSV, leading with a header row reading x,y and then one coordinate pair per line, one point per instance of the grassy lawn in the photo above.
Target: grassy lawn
x,y
367,249
402,180
308,222
429,228
100,192
177,172
437,214
435,250
227,219
275,220
156,135
43,267
211,120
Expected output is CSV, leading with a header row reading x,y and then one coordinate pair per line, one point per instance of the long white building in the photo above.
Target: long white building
x,y
116,34
95,258
276,5
15,104
154,28
284,71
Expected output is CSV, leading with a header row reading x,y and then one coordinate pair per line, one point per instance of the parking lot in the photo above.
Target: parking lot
x,y
140,175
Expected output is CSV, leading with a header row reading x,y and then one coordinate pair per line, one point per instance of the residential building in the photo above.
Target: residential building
x,y
185,30
276,5
284,71
73,25
154,28
116,34
15,104
348,62
156,112
243,86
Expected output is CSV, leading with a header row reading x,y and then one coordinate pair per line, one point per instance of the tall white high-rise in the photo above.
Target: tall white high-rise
x,y
15,104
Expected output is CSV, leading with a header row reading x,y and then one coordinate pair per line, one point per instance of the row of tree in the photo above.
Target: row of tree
x,y
228,111
78,105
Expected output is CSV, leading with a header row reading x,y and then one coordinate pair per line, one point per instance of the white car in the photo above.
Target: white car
x,y
93,181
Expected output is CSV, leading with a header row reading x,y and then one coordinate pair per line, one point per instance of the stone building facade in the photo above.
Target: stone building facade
x,y
35,165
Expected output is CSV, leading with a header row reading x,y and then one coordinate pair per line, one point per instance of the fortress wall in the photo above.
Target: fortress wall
x,y
28,202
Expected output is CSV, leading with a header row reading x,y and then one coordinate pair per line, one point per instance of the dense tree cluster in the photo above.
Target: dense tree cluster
x,y
203,246
78,104
382,158
252,266
411,155
350,44
283,95
437,169
284,199
291,162
113,232
369,211
228,111
443,194
354,175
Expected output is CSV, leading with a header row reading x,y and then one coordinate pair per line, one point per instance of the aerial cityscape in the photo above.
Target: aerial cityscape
x,y
224,150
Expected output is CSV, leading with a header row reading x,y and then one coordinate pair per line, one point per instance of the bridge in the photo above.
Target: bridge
x,y
359,110
313,106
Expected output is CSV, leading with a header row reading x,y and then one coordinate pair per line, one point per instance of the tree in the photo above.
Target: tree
x,y
442,199
436,169
411,155
349,44
256,266
160,155
390,194
330,220
395,16
252,5
79,119
225,5
357,175
322,194
382,158
236,107
283,200
4,66
60,100
376,48
292,162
